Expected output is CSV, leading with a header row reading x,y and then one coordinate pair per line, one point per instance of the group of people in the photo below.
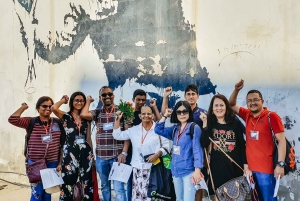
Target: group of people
x,y
184,131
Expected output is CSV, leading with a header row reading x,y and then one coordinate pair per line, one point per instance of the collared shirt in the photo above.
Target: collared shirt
x,y
191,152
260,152
106,146
135,134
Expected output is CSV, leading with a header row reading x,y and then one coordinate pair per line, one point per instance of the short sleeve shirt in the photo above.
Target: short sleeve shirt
x,y
106,146
260,152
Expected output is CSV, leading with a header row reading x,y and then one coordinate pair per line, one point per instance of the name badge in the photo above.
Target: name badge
x,y
141,157
254,135
46,138
176,150
80,139
108,126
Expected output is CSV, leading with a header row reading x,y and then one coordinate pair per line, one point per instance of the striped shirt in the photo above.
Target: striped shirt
x,y
37,148
106,146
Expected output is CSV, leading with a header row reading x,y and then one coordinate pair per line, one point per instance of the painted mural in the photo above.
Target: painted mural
x,y
152,44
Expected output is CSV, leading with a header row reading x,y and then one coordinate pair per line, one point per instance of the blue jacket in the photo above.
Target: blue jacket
x,y
191,152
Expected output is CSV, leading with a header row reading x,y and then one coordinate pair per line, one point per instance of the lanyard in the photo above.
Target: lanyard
x,y
108,114
180,133
47,125
254,125
144,137
77,123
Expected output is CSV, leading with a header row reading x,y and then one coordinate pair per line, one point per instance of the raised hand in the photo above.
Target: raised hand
x,y
24,106
65,98
238,86
203,116
152,102
168,112
168,91
89,99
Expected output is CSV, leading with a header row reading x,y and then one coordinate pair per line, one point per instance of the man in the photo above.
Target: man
x,y
139,99
108,150
259,141
191,95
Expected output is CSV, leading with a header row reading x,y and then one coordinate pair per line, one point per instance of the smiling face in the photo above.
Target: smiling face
x,y
219,108
254,103
78,102
139,102
45,109
107,96
182,114
146,114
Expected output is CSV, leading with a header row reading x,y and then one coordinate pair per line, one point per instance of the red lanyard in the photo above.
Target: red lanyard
x,y
47,125
144,137
254,125
77,123
180,133
108,114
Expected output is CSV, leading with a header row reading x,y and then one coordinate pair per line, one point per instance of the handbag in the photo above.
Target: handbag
x,y
160,181
237,189
33,170
289,156
78,193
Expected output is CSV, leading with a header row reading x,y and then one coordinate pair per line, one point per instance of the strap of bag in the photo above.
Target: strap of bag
x,y
226,154
160,142
209,171
272,131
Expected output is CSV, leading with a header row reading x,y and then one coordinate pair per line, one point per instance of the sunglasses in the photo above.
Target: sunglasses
x,y
184,112
79,101
46,106
107,94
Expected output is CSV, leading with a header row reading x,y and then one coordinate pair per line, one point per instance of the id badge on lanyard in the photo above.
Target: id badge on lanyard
x,y
108,126
254,135
176,149
48,137
80,139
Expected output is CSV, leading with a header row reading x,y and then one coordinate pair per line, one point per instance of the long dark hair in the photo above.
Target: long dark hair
x,y
174,118
229,114
77,93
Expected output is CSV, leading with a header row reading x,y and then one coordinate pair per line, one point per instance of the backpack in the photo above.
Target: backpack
x,y
290,152
191,133
30,127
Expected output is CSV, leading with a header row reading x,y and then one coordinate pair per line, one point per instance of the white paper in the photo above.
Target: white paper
x,y
150,148
50,178
276,187
202,185
120,172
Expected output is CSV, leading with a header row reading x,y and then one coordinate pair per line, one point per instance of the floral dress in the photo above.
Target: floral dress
x,y
77,159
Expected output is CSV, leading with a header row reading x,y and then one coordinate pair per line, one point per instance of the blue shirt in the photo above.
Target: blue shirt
x,y
191,152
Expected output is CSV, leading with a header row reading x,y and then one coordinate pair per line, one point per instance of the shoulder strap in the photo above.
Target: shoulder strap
x,y
28,133
192,130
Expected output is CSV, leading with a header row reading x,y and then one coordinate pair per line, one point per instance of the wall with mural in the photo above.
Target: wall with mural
x,y
53,47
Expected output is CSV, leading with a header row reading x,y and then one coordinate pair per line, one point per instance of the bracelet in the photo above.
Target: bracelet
x,y
124,153
164,116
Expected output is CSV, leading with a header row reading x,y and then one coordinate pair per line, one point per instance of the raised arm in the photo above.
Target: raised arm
x,y
153,105
15,119
165,102
85,113
233,96
19,111
55,108
204,139
160,128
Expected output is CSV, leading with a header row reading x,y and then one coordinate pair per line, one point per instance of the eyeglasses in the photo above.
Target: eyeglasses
x,y
107,94
255,100
46,106
79,101
183,112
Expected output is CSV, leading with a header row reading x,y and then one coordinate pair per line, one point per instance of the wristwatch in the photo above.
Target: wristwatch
x,y
124,153
281,164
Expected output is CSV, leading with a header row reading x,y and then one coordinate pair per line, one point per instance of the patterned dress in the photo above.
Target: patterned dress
x,y
77,159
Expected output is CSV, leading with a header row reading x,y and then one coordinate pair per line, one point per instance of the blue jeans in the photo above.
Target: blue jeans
x,y
37,190
184,189
129,183
103,168
264,185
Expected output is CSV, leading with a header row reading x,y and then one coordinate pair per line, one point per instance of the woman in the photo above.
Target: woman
x,y
221,125
187,152
141,135
78,157
46,140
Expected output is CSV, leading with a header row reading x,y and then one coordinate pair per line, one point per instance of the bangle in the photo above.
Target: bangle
x,y
164,116
124,153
